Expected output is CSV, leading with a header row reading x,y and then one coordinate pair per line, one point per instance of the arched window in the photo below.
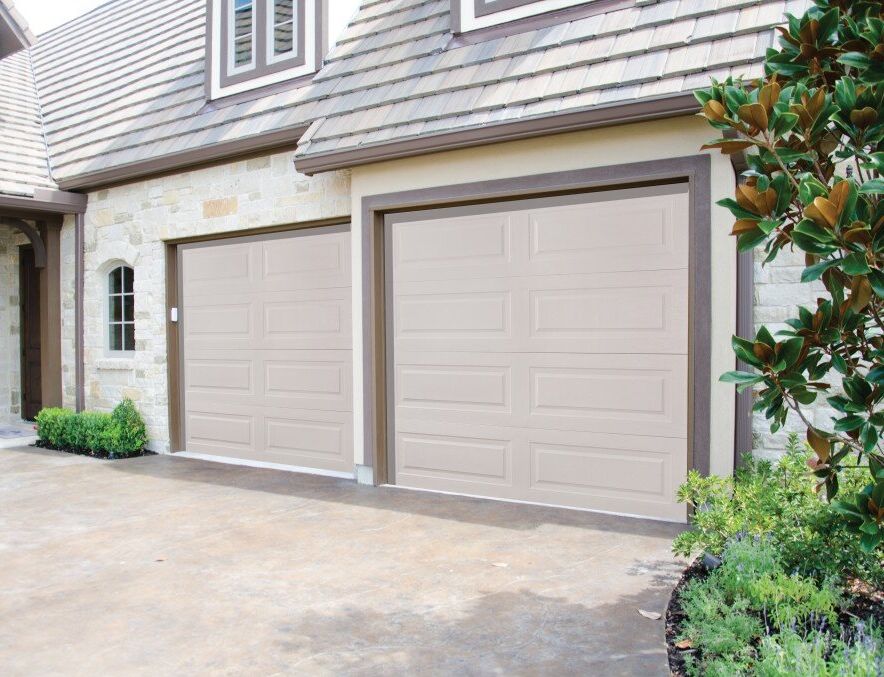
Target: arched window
x,y
121,309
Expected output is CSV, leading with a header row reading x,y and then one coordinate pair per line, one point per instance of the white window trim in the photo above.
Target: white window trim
x,y
309,67
470,22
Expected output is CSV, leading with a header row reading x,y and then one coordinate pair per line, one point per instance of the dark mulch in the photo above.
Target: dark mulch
x,y
675,617
103,455
864,603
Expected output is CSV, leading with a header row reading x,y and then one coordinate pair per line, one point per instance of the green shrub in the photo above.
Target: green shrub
x,y
751,616
129,433
821,655
776,501
53,424
119,434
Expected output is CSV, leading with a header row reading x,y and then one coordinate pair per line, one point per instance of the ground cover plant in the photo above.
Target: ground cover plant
x,y
119,434
782,585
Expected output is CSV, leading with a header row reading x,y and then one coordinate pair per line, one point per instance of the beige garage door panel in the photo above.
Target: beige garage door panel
x,y
594,471
267,349
541,353
604,313
626,234
603,393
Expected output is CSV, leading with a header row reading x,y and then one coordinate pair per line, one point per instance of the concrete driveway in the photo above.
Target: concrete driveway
x,y
166,566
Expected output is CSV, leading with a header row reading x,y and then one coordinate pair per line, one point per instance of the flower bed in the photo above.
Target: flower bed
x,y
781,586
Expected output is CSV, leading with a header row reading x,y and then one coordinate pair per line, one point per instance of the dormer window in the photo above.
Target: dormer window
x,y
472,15
255,43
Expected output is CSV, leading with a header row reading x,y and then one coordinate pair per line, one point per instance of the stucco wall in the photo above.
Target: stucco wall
x,y
594,148
10,360
130,223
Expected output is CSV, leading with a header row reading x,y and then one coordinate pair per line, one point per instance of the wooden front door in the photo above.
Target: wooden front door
x,y
29,295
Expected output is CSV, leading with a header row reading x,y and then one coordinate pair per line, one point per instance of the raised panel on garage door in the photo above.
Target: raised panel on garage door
x,y
539,350
266,349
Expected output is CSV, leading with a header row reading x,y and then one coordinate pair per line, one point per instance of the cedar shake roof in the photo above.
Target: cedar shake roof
x,y
125,83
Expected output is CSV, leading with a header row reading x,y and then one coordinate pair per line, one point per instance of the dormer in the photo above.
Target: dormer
x,y
14,32
470,15
257,43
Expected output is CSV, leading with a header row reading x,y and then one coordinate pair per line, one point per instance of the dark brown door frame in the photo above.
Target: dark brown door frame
x,y
695,169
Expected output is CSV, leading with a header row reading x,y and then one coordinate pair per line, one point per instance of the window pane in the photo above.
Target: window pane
x,y
283,27
283,11
129,308
242,19
243,51
283,39
116,281
129,336
128,279
116,308
116,337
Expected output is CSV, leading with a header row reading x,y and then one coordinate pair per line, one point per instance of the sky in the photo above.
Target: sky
x,y
44,15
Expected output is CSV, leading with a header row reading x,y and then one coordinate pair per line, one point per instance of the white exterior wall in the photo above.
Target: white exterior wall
x,y
130,223
10,319
594,148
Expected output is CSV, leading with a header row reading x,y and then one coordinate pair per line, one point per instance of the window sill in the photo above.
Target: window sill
x,y
116,364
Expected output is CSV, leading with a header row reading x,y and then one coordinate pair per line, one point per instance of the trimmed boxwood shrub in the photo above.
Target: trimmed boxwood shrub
x,y
119,434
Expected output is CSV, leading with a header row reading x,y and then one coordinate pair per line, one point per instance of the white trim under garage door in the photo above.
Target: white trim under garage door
x,y
266,350
538,350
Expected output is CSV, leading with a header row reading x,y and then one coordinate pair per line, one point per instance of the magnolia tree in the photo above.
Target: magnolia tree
x,y
810,130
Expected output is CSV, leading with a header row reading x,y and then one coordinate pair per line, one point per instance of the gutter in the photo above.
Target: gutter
x,y
183,160
597,116
46,201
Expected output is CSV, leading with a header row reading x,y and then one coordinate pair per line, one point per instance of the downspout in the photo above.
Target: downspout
x,y
745,325
79,270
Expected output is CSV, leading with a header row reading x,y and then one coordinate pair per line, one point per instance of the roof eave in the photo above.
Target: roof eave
x,y
225,151
14,32
597,116
44,201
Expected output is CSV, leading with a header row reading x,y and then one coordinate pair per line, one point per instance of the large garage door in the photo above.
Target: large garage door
x,y
266,344
539,350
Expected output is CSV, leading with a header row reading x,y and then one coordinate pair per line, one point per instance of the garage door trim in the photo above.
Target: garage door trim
x,y
695,170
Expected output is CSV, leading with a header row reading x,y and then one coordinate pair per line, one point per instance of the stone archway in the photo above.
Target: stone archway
x,y
33,235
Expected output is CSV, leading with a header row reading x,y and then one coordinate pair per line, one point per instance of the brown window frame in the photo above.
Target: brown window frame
x,y
260,45
127,298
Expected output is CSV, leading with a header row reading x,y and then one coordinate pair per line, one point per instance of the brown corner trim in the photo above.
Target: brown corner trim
x,y
44,202
695,169
79,325
598,116
745,328
224,151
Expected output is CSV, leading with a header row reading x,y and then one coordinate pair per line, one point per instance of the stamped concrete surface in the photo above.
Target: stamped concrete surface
x,y
165,566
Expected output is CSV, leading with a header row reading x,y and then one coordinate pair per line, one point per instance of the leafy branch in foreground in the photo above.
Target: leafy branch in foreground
x,y
810,130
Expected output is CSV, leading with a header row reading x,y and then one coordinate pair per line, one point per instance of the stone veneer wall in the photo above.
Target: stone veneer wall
x,y
778,293
10,319
131,222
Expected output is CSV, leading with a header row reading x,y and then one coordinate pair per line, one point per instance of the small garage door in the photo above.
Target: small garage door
x,y
539,350
266,348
